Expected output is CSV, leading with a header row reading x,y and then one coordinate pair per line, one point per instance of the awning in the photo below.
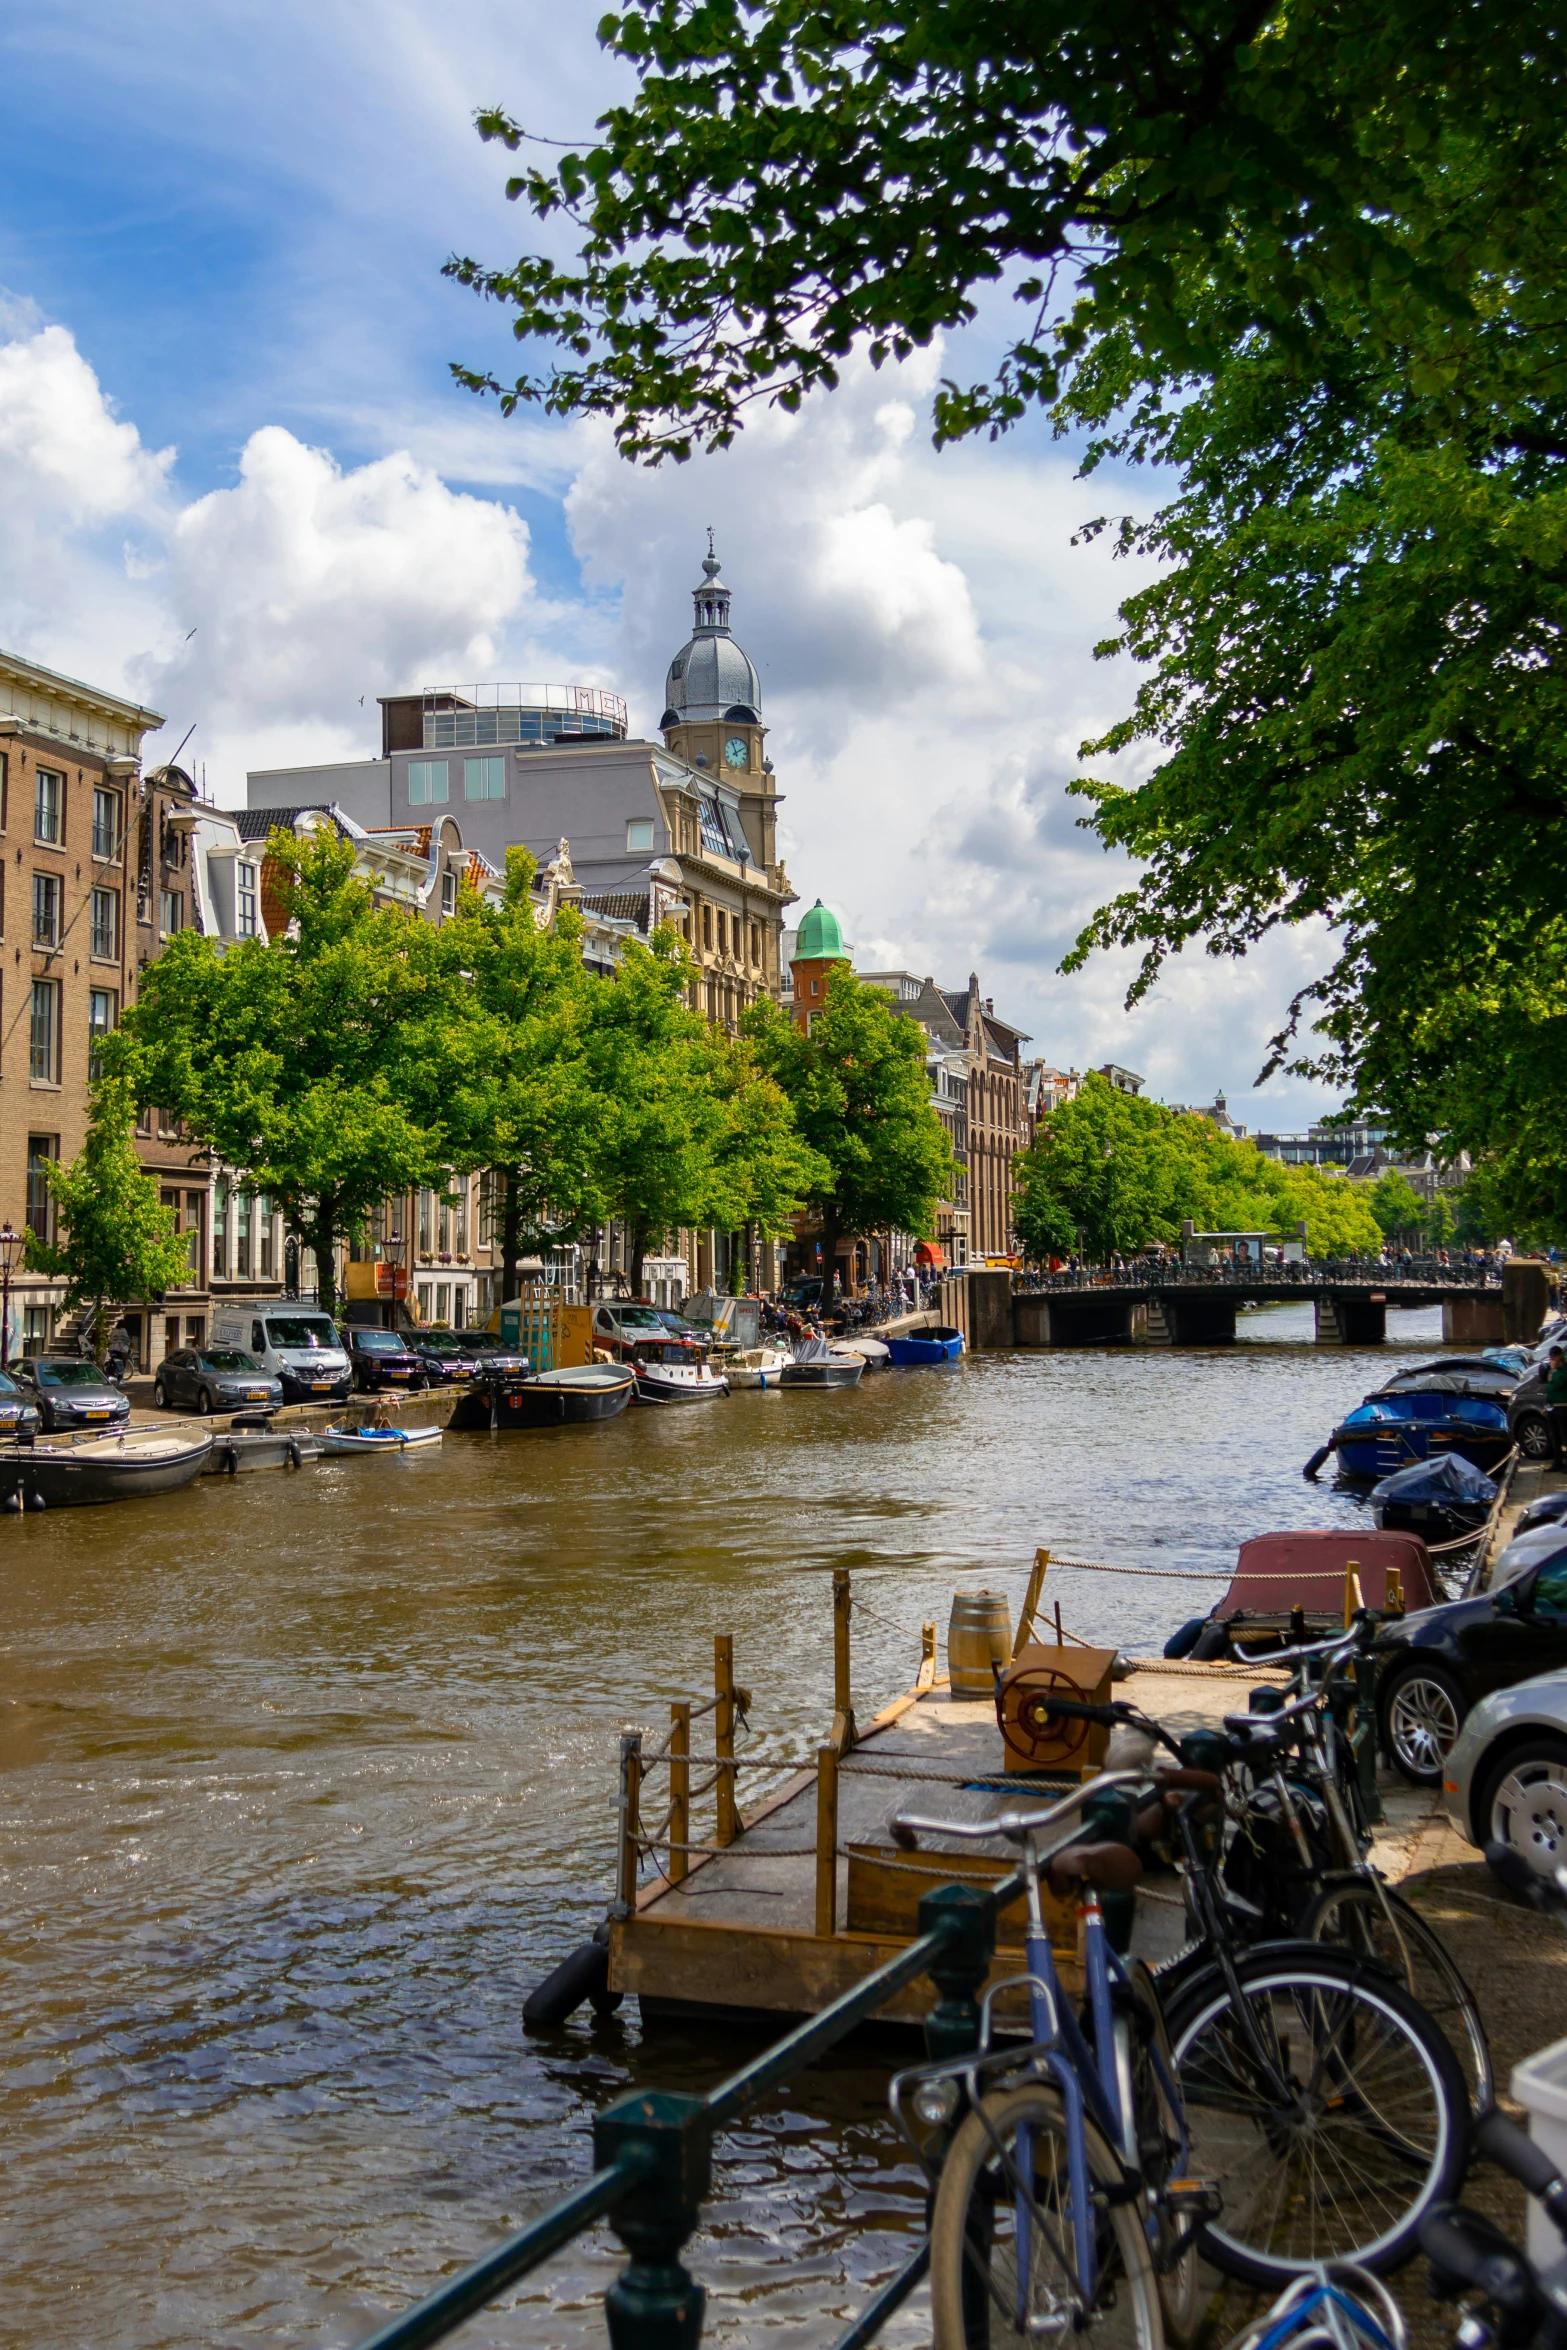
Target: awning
x,y
929,1253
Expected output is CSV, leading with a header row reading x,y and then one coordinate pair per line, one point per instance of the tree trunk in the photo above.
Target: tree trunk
x,y
829,1248
321,1232
511,1235
639,1241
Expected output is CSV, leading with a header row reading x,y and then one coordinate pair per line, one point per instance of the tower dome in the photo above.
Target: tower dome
x,y
820,939
710,677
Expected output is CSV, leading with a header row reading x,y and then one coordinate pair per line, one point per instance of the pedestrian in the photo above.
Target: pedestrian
x,y
1556,1402
121,1347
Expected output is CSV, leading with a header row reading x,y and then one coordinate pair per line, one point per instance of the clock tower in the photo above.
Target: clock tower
x,y
713,712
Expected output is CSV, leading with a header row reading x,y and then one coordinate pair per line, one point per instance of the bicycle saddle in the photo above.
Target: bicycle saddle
x,y
1114,1868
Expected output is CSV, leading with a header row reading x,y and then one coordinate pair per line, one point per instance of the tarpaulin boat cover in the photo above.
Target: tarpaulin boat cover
x,y
1274,1571
815,1350
1448,1478
1491,1383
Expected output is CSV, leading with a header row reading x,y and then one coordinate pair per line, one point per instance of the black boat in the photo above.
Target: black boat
x,y
544,1399
1441,1500
101,1468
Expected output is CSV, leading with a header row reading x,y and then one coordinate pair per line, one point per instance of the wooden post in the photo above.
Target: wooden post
x,y
1036,1584
926,1676
724,1737
630,1821
843,1703
1352,1593
679,1790
1393,1597
826,1840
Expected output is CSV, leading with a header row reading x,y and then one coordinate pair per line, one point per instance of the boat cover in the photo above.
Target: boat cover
x,y
1275,1571
1383,1411
1448,1478
1490,1381
815,1350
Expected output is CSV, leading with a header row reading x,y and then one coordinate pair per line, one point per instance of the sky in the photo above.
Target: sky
x,y
237,482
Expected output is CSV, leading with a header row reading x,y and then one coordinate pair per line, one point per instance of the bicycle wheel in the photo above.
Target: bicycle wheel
x,y
1363,2127
981,2290
1355,1916
1147,2064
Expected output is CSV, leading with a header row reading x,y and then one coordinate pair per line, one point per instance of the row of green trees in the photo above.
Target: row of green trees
x,y
1122,1172
362,1054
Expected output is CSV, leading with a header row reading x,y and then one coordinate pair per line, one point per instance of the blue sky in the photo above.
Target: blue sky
x,y
236,478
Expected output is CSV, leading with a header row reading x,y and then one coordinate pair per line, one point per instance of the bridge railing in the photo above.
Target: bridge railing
x,y
653,2153
1319,1273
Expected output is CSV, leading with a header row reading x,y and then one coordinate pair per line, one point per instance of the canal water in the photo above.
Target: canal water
x,y
308,1779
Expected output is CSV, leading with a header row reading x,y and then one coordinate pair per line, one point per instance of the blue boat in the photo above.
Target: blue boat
x,y
940,1345
1388,1431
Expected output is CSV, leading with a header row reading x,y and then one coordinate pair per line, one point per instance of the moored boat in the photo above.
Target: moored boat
x,y
817,1363
874,1353
393,1442
576,1395
1290,1586
758,1366
1390,1430
239,1449
670,1369
915,1347
1441,1500
121,1467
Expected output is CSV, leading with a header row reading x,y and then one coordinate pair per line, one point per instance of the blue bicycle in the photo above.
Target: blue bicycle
x,y
1062,2203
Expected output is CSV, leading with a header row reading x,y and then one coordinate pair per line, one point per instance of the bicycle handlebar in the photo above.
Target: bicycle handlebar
x,y
905,1828
1514,2151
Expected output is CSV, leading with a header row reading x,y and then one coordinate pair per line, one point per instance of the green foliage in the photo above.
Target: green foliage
x,y
319,1066
1396,1204
1126,1171
1441,1225
860,1094
116,1240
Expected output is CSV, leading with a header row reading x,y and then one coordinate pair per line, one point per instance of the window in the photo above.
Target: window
x,y
448,894
49,806
639,832
264,1232
426,1305
714,836
484,779
102,1008
44,1068
105,822
246,902
723,933
42,1151
242,1206
103,925
35,1330
428,784
426,1221
707,926
171,911
462,1217
220,1232
46,909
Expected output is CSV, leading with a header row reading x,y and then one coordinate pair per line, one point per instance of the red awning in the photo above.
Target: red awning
x,y
929,1253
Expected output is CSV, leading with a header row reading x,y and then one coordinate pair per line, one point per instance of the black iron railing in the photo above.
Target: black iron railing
x,y
1322,1273
654,2150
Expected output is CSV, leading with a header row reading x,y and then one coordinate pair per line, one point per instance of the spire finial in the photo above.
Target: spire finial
x,y
710,563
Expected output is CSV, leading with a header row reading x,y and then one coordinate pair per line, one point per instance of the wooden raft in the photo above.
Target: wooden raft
x,y
794,1901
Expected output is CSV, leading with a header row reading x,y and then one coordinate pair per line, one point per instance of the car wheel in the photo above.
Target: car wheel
x,y
160,1395
1532,1435
1422,1712
1523,1804
204,1402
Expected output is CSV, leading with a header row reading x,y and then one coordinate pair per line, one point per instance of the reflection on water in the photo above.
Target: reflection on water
x,y
307,1779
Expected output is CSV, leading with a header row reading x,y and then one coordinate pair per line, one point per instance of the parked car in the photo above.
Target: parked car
x,y
70,1393
1435,1666
445,1355
622,1324
381,1358
1506,1777
1526,1415
18,1415
213,1379
296,1344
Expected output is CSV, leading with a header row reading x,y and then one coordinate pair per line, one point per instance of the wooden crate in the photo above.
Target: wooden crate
x,y
885,1886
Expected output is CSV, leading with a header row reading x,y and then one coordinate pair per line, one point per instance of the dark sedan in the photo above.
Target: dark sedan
x,y
214,1379
1434,1665
70,1393
446,1356
381,1359
1526,1416
18,1415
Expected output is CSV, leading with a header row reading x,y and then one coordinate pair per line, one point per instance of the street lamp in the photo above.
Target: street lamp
x,y
10,1242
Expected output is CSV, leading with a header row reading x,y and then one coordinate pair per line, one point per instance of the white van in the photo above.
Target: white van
x,y
297,1344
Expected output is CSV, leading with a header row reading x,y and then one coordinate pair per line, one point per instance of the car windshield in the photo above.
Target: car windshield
x,y
229,1358
442,1342
378,1342
8,1385
637,1318
68,1375
302,1330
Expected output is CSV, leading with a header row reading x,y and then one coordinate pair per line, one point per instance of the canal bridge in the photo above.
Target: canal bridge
x,y
1190,1305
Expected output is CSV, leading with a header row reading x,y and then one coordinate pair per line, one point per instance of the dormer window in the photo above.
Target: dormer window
x,y
639,833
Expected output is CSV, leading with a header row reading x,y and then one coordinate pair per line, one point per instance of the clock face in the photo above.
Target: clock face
x,y
737,751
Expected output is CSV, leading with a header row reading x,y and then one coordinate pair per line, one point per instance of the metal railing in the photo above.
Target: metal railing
x,y
653,2153
1320,1273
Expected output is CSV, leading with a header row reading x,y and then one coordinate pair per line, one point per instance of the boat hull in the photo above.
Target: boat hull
x,y
243,1449
922,1347
36,1477
550,1399
386,1443
675,1387
1364,1453
822,1374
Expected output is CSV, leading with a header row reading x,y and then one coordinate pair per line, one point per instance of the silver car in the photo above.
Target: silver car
x,y
1505,1780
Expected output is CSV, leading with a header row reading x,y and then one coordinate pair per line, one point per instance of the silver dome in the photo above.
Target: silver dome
x,y
711,677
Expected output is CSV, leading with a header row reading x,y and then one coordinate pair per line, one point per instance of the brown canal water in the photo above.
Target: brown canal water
x,y
308,1778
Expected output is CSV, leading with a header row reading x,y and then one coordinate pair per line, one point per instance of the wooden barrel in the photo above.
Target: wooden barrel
x,y
979,1631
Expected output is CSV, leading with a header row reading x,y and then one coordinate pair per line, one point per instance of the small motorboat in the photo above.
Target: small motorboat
x,y
238,1449
1290,1587
62,1473
568,1398
758,1366
671,1370
1440,1500
369,1439
916,1347
874,1353
816,1362
1392,1429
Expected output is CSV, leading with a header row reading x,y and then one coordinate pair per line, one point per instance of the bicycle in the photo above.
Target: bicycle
x,y
1062,2203
1315,2087
1333,2307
